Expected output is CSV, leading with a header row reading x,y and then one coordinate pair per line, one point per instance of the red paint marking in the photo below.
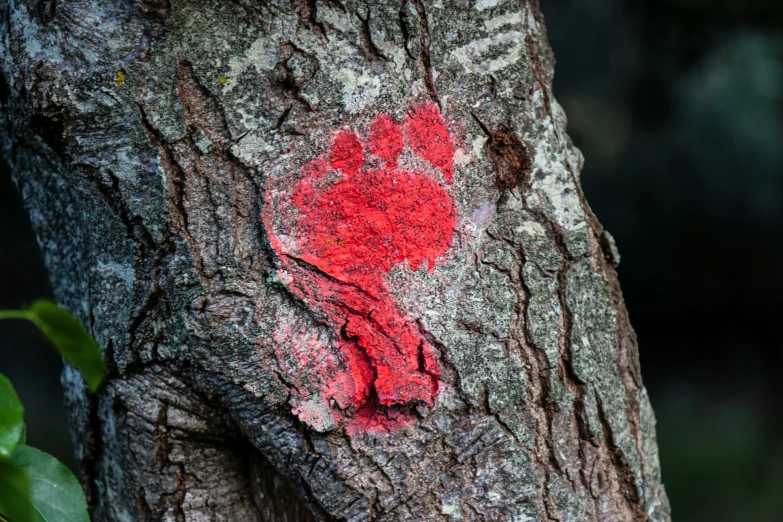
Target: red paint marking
x,y
347,153
429,137
347,237
386,139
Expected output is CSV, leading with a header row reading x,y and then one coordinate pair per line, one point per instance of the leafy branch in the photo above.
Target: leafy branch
x,y
34,486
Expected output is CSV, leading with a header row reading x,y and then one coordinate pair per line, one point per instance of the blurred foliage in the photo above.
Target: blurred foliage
x,y
26,357
11,418
68,337
721,462
34,486
54,495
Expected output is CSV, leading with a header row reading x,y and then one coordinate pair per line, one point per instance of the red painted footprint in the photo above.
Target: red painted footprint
x,y
348,235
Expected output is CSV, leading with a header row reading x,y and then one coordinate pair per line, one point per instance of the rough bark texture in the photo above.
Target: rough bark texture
x,y
152,142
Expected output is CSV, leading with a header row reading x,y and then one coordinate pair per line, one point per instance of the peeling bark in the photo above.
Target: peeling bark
x,y
148,194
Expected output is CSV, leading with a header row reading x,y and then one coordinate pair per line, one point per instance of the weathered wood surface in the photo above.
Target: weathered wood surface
x,y
159,197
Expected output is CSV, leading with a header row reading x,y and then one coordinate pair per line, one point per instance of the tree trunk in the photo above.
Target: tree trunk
x,y
338,259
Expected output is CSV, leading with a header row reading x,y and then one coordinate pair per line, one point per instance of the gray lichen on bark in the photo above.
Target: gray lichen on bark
x,y
146,196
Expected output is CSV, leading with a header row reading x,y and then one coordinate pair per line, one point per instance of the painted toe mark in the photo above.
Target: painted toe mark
x,y
346,235
428,136
386,139
347,153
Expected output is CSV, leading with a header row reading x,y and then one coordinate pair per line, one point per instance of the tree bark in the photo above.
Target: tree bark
x,y
177,159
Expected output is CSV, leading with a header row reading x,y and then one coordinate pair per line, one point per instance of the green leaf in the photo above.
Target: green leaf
x,y
15,493
11,418
69,338
55,493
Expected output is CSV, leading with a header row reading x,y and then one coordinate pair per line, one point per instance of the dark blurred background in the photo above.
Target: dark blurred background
x,y
677,106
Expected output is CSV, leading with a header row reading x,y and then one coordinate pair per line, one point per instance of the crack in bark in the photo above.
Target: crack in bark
x,y
626,338
402,20
540,391
157,10
275,498
286,77
307,15
372,398
176,173
512,164
487,410
424,58
539,52
366,43
625,475
90,464
283,116
449,373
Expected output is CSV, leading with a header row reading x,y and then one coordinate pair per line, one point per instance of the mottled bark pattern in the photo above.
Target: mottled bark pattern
x,y
147,193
